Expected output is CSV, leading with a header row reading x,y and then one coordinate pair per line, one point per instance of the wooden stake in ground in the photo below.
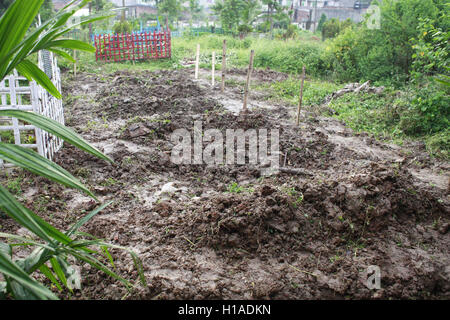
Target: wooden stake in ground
x,y
249,75
301,97
213,68
197,60
224,64
75,64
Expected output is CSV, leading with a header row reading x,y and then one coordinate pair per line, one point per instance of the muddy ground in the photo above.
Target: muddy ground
x,y
226,232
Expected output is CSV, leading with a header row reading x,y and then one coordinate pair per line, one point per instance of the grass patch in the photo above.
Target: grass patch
x,y
285,56
314,90
393,115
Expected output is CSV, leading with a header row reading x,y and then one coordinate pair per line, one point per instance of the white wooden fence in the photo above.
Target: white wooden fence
x,y
18,93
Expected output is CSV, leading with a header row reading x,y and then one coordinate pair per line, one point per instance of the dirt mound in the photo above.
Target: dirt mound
x,y
139,94
225,231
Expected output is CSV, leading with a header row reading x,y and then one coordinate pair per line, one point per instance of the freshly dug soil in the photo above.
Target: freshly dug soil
x,y
226,232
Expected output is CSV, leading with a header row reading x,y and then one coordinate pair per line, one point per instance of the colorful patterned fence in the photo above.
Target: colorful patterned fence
x,y
135,46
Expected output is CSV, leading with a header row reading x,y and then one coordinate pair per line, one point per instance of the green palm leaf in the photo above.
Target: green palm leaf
x,y
33,162
14,272
15,47
28,219
31,71
55,128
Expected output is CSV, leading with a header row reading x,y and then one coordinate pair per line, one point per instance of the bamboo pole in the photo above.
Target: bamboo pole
x,y
213,68
224,64
197,60
249,75
300,97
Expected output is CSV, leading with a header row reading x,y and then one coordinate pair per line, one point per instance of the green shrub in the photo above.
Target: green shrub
x,y
427,113
122,27
359,53
291,57
323,19
245,28
431,49
333,27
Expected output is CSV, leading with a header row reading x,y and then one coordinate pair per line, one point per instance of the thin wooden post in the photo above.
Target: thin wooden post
x,y
213,68
197,60
224,64
75,64
301,97
249,74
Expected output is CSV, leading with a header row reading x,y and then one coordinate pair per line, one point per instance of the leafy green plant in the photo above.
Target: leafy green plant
x,y
431,48
234,187
14,186
54,250
359,53
122,27
322,20
333,27
443,79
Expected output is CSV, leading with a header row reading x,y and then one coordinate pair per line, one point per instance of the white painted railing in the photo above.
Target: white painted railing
x,y
16,92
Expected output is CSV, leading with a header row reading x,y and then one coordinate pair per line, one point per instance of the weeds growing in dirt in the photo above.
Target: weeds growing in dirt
x,y
234,187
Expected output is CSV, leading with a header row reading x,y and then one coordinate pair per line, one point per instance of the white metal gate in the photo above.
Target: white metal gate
x,y
18,93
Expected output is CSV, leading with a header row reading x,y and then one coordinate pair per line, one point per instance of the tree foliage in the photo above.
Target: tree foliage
x,y
195,9
331,28
171,9
229,13
387,52
322,20
122,27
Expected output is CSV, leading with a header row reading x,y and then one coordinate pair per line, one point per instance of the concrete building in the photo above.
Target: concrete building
x,y
135,8
307,13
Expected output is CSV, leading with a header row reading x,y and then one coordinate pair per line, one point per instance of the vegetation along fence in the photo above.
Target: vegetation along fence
x,y
16,92
150,29
196,32
134,46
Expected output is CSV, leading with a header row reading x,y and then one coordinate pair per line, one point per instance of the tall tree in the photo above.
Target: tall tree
x,y
271,5
171,9
251,10
194,9
229,12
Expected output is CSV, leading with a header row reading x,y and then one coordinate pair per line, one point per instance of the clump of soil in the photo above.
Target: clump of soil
x,y
225,231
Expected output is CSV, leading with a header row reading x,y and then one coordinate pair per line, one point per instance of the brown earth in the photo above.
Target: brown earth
x,y
226,232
